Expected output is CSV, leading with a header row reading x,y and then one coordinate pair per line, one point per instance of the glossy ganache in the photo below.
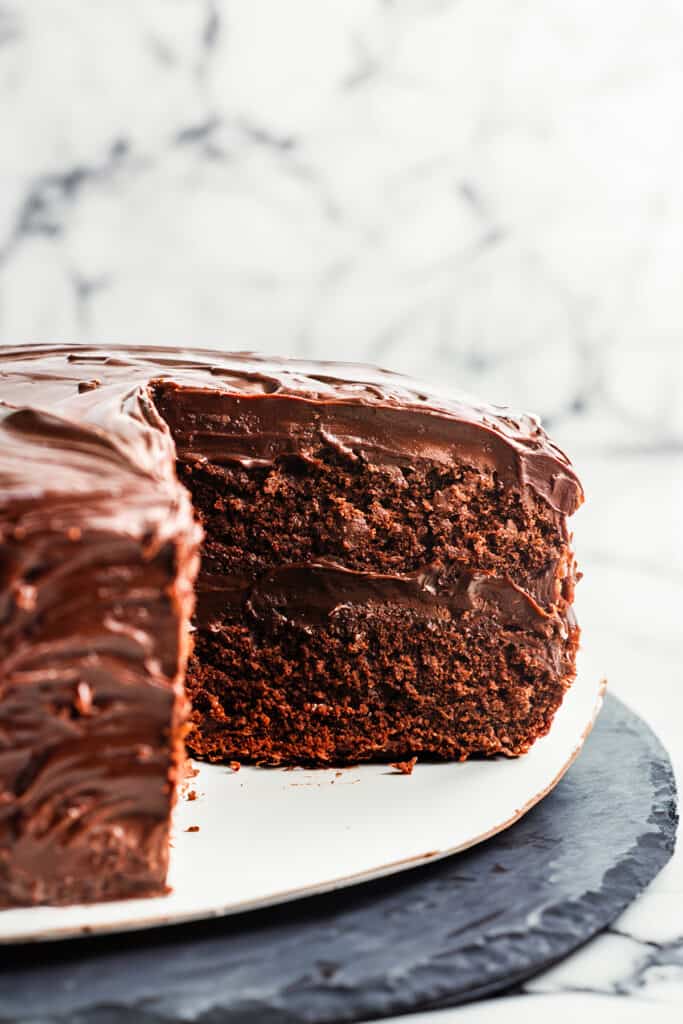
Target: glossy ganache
x,y
113,465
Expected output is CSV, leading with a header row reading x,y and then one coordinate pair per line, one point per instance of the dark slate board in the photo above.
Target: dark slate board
x,y
471,925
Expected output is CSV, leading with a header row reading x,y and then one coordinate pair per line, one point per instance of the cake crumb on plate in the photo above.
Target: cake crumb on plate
x,y
405,767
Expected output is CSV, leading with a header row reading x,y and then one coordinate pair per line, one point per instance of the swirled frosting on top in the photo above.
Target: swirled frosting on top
x,y
89,413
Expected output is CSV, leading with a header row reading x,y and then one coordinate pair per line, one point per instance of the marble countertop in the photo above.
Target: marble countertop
x,y
479,191
484,190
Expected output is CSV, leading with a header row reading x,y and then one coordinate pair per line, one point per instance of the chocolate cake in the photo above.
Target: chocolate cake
x,y
269,561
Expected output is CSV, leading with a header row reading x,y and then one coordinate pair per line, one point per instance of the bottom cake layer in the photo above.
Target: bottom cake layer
x,y
375,681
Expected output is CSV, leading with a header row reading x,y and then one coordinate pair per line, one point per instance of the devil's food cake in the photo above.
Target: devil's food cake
x,y
268,561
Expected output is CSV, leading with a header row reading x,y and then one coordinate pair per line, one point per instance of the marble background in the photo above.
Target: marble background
x,y
483,192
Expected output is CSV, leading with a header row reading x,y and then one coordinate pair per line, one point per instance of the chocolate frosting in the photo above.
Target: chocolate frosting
x,y
106,399
85,454
84,421
312,593
79,422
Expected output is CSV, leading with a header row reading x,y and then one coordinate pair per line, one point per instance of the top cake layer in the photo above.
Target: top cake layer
x,y
80,419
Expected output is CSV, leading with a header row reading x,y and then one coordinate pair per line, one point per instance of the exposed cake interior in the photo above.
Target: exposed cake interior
x,y
353,605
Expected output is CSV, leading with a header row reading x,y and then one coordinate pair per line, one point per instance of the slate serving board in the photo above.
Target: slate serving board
x,y
470,925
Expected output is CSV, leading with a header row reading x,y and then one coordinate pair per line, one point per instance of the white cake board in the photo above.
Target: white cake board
x,y
271,835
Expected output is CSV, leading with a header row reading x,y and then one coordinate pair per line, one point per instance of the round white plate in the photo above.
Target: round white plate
x,y
270,835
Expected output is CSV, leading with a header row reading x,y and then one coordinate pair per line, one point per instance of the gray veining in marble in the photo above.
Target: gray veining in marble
x,y
482,191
